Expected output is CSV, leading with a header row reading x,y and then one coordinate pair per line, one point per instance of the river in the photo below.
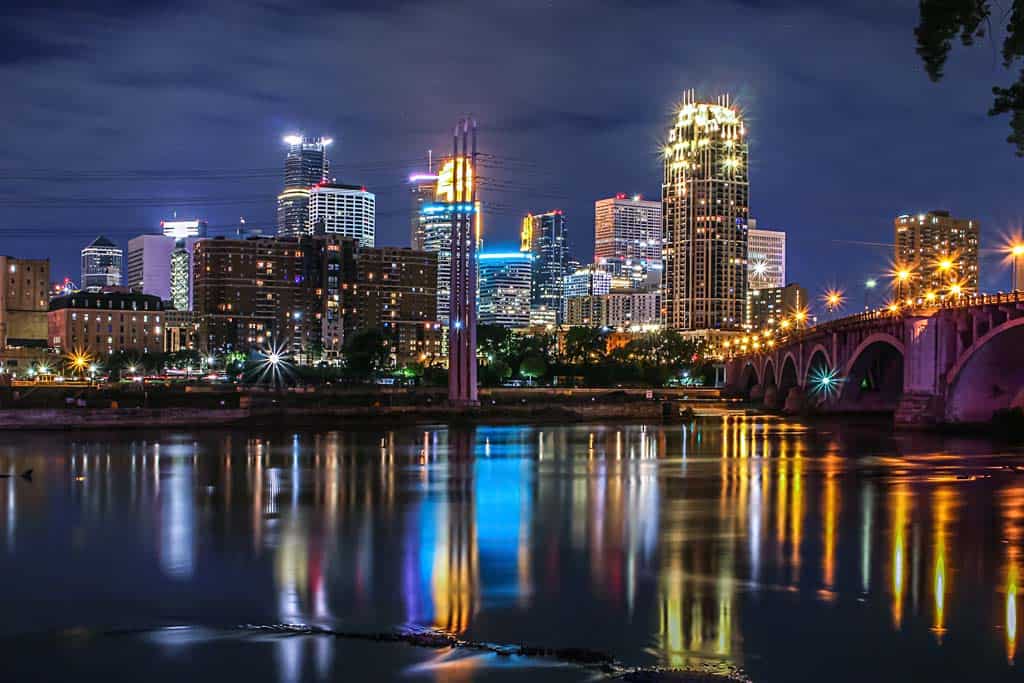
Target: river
x,y
797,552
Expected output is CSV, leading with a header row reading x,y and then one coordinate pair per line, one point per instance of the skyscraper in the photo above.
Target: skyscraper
x,y
544,235
305,165
627,238
705,200
423,190
505,289
766,258
101,264
346,210
180,229
149,264
435,227
939,251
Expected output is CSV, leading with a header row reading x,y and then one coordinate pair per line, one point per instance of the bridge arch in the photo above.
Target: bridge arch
x,y
768,373
748,378
817,358
872,378
989,376
789,376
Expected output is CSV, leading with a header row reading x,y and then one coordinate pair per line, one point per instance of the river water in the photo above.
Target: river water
x,y
797,552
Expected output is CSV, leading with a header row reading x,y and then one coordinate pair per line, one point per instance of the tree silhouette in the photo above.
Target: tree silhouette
x,y
943,21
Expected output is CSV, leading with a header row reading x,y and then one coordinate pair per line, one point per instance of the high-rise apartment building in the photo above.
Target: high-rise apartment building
x,y
545,237
622,309
24,286
938,251
305,165
505,289
395,292
345,210
588,281
101,264
628,238
766,258
705,204
250,294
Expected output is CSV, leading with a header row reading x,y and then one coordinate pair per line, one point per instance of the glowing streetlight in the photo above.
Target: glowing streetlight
x,y
833,299
1017,256
956,289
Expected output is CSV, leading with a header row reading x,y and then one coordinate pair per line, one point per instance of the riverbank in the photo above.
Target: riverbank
x,y
311,410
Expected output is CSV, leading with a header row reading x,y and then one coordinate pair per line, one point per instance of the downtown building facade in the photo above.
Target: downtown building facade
x,y
102,263
628,239
506,289
705,195
939,250
622,310
766,258
305,165
545,237
105,321
343,210
162,265
768,306
24,301
305,296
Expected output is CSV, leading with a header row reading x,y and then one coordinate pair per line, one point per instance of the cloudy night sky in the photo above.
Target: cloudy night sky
x,y
113,111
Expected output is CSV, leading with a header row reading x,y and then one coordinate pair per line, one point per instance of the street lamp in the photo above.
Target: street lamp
x,y
869,285
1017,254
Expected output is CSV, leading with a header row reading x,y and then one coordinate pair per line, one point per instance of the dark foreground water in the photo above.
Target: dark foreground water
x,y
831,552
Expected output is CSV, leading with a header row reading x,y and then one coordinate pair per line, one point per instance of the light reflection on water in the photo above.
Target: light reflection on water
x,y
674,545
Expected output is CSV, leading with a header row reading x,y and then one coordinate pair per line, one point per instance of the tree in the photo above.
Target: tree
x,y
584,344
533,365
366,353
943,21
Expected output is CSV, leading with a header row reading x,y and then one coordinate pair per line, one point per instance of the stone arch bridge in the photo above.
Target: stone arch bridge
x,y
956,362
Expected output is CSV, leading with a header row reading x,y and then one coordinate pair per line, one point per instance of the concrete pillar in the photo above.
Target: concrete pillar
x,y
795,401
771,396
922,399
757,392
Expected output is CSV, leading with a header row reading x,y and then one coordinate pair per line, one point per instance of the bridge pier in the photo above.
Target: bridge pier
x,y
796,401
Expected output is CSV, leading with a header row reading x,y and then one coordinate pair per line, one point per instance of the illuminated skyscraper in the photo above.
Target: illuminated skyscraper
x,y
346,210
505,289
627,238
305,165
766,258
544,235
180,229
435,228
423,190
939,250
705,200
101,264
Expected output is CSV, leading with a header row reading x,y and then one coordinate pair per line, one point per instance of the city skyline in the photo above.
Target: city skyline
x,y
786,101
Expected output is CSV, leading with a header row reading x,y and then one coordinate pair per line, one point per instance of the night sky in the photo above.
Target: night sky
x,y
117,114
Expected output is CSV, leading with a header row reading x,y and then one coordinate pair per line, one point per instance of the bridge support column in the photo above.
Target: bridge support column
x,y
796,401
922,401
771,396
757,392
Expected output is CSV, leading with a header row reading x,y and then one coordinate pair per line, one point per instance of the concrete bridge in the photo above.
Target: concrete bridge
x,y
951,362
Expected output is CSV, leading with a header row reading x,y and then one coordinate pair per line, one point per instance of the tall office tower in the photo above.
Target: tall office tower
x,y
345,210
149,265
766,258
435,227
544,235
589,281
705,200
101,264
182,273
627,238
505,289
305,165
423,190
939,251
24,300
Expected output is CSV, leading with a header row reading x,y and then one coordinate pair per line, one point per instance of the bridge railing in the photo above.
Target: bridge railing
x,y
920,306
